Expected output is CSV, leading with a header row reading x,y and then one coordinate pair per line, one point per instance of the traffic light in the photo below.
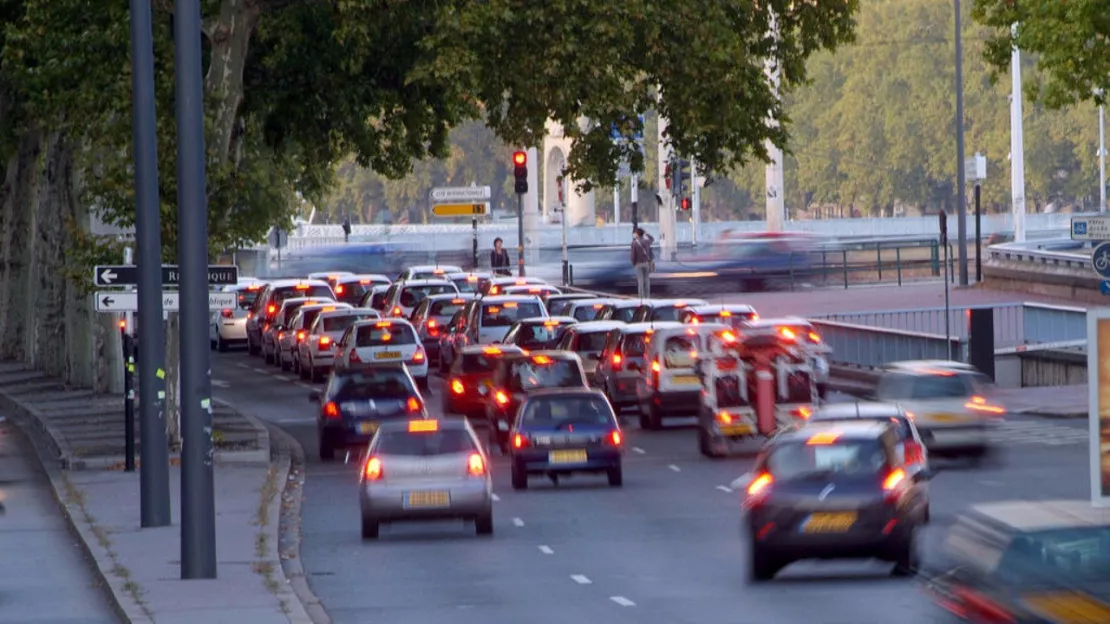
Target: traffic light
x,y
682,177
685,203
520,171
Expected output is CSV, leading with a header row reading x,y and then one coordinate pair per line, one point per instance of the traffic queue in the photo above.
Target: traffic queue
x,y
546,379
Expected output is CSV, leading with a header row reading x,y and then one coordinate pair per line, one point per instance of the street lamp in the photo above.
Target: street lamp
x,y
1101,155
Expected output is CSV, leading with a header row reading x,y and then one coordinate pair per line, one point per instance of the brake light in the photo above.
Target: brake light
x,y
491,351
301,336
226,313
355,359
519,441
271,309
301,286
728,337
893,484
397,311
412,405
758,489
803,412
475,465
331,410
418,357
655,366
814,337
725,314
979,404
614,438
755,317
339,289
617,361
281,335
433,329
325,342
373,470
724,417
788,333
822,439
457,386
913,452
501,398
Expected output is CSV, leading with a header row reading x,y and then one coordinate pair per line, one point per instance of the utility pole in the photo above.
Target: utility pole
x,y
520,174
961,182
1101,159
1017,144
775,178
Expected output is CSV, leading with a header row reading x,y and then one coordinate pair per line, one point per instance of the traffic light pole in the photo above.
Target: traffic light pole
x,y
520,234
634,182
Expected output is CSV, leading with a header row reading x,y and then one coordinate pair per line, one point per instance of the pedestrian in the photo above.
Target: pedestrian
x,y
643,261
499,258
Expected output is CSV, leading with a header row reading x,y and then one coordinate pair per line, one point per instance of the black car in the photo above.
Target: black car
x,y
534,334
517,376
560,432
353,404
834,491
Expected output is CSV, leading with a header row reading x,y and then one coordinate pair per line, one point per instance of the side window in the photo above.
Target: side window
x,y
260,301
391,293
346,339
610,344
566,343
633,346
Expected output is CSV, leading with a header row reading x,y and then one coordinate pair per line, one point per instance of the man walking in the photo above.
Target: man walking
x,y
499,258
643,261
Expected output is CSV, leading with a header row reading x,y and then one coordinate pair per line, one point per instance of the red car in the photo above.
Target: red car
x,y
470,379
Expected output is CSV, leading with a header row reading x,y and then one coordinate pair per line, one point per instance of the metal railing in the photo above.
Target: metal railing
x,y
869,347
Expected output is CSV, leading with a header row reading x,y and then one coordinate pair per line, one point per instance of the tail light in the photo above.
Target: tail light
x,y
475,465
724,418
433,328
815,338
226,313
355,359
977,607
758,489
979,404
655,366
373,471
913,452
614,438
519,441
457,386
324,342
301,336
617,361
281,335
418,357
271,309
339,289
250,313
803,413
893,485
397,311
412,405
501,398
331,410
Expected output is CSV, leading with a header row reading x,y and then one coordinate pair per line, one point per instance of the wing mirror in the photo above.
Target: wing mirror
x,y
925,474
314,396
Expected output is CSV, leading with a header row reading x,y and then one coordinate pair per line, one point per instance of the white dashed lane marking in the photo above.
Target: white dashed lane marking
x,y
241,365
622,601
580,579
261,370
220,383
304,385
674,468
547,550
495,497
518,522
636,449
724,488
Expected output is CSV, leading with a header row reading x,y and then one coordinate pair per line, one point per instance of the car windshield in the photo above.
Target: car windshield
x,y
797,460
509,312
411,296
479,362
424,444
544,372
933,386
680,351
590,342
1077,558
304,290
446,307
341,323
564,412
386,383
384,335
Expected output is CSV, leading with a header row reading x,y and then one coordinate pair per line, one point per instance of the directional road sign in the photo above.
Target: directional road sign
x,y
1100,259
1090,228
128,275
107,301
457,194
460,210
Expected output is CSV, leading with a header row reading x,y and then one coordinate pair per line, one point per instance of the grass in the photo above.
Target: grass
x,y
264,565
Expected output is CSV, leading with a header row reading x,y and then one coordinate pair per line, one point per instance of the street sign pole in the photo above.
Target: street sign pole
x,y
978,235
154,468
520,234
198,509
128,398
474,242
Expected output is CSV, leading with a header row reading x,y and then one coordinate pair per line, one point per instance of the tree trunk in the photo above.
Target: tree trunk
x,y
230,37
173,380
17,211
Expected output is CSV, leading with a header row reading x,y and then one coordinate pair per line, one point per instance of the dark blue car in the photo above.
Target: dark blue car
x,y
562,431
354,403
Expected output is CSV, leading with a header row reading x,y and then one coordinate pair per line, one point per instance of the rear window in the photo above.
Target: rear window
x,y
623,315
633,345
541,333
389,334
903,425
954,386
799,388
291,292
466,286
729,392
425,444
680,351
564,412
247,297
666,313
1076,557
588,312
446,307
411,296
352,291
310,317
419,275
791,460
545,372
734,320
479,362
341,323
590,342
505,314
385,383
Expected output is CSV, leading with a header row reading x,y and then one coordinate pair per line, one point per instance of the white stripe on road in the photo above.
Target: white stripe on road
x,y
220,383
242,365
636,449
547,550
674,468
304,385
518,522
495,497
622,601
724,488
261,370
581,580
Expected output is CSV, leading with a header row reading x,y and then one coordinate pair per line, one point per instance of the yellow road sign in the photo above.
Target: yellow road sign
x,y
460,210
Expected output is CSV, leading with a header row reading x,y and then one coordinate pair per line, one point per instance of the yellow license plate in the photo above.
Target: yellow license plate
x,y
367,427
388,355
829,522
735,430
948,417
1068,607
686,379
567,457
426,499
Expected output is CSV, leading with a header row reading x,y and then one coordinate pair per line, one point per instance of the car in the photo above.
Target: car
x,y
952,404
452,338
1027,561
543,291
290,339
496,285
588,341
316,353
469,382
489,318
328,276
557,304
275,332
618,310
403,296
425,469
559,432
736,315
389,340
351,288
470,282
663,309
354,403
589,309
428,272
229,325
374,298
267,304
517,376
621,363
431,316
832,491
669,385
542,332
806,336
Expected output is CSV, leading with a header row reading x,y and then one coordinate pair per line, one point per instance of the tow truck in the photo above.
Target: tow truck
x,y
753,383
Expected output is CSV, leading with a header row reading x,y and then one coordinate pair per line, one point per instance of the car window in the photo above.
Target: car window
x,y
385,335
941,387
634,345
799,388
479,362
413,295
666,313
623,314
590,342
509,312
386,383
729,391
352,291
465,286
290,311
588,312
290,292
798,459
247,296
424,444
308,317
680,351
564,412
341,323
1077,557
539,333
904,430
446,307
544,372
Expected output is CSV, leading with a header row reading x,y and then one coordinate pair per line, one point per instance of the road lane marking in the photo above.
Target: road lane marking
x,y
518,522
724,488
220,383
495,497
622,601
261,370
580,579
636,449
304,385
547,550
242,365
674,468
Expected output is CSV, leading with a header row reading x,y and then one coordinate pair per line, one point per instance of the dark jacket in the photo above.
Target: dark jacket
x,y
499,261
641,250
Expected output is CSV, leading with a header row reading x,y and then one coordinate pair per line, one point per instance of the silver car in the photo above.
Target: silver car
x,y
316,352
425,470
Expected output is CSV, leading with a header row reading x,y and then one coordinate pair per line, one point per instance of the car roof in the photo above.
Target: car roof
x,y
590,327
623,303
686,303
718,307
292,301
652,326
445,268
549,319
349,311
339,305
347,279
566,295
370,366
564,392
594,300
425,282
858,409
445,424
475,274
1028,516
508,279
868,429
506,349
925,366
551,353
782,320
495,299
289,283
445,296
391,319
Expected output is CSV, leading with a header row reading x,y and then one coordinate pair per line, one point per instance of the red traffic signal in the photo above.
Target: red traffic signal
x,y
686,203
520,172
520,159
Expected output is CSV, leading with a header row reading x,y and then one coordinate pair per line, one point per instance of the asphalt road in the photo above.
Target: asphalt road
x,y
44,577
665,548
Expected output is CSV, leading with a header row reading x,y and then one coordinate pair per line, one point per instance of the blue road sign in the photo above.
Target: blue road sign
x,y
615,133
1078,228
1100,260
1104,287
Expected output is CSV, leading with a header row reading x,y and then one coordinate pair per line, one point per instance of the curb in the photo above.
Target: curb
x,y
289,537
1034,411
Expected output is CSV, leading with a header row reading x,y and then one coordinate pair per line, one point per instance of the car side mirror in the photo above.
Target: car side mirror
x,y
314,396
925,474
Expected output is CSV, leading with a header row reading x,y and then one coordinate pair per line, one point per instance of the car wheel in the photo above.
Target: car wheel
x,y
221,344
616,477
483,525
266,355
370,528
252,349
327,448
705,445
304,371
906,558
520,478
822,390
762,566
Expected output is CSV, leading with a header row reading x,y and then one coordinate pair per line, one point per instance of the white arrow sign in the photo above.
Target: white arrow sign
x,y
464,194
107,301
108,276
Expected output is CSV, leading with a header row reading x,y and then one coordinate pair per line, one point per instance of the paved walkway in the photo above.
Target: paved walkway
x,y
82,451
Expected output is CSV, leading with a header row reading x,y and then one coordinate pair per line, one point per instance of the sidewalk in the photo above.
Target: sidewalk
x,y
80,440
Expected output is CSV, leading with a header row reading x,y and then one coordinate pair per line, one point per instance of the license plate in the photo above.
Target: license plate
x,y
427,499
735,430
685,379
567,457
367,428
829,522
387,355
948,417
